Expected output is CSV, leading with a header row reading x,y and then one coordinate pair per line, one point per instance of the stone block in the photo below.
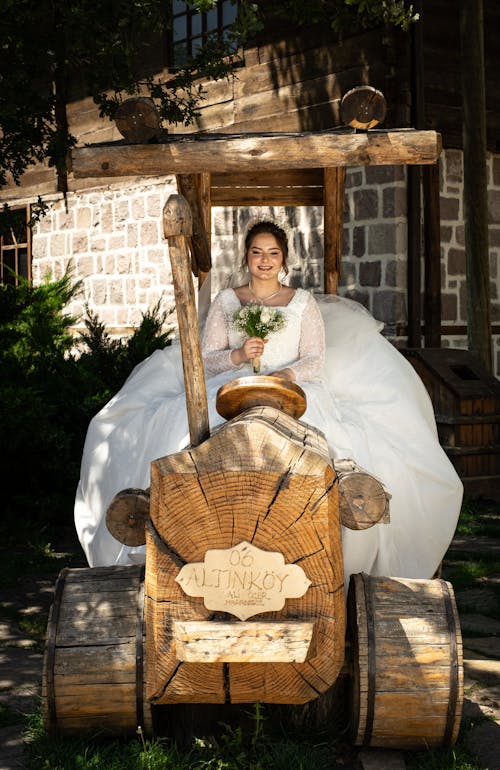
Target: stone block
x,y
456,262
370,273
359,241
494,207
449,208
83,218
132,236
121,211
106,218
149,233
381,239
449,306
154,206
393,202
353,178
390,306
384,174
395,273
366,204
57,245
80,243
138,208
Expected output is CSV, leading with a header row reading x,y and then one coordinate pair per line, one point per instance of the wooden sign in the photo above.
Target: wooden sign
x,y
259,641
243,580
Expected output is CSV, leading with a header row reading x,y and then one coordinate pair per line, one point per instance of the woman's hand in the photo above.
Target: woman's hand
x,y
252,348
285,374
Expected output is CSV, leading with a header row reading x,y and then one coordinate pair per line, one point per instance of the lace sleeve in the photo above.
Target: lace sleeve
x,y
312,343
215,342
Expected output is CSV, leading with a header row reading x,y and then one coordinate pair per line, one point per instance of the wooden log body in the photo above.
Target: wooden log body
x,y
407,662
266,479
93,671
192,154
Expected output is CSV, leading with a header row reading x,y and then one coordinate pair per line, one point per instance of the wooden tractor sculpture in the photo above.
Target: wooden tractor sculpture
x,y
242,598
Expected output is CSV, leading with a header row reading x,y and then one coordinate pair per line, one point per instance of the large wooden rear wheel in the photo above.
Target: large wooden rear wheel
x,y
406,661
93,673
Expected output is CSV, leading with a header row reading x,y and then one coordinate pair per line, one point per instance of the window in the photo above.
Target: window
x,y
15,246
190,30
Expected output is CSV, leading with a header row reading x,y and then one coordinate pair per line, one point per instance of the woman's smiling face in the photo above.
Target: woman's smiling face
x,y
265,257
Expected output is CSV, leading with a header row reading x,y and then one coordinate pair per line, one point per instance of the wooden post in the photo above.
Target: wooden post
x,y
432,256
204,184
475,180
334,193
188,186
413,197
177,228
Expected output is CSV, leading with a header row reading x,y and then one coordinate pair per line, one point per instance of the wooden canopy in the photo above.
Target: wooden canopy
x,y
294,169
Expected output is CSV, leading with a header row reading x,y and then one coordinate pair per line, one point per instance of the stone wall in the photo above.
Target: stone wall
x,y
112,239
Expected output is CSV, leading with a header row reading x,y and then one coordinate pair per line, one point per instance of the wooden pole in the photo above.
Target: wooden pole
x,y
334,193
475,180
177,228
414,196
432,257
189,186
204,193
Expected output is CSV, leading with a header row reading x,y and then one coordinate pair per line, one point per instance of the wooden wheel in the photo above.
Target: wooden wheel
x,y
406,659
94,669
241,394
126,516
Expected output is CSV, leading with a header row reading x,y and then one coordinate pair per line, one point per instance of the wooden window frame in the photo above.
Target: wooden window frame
x,y
191,37
15,251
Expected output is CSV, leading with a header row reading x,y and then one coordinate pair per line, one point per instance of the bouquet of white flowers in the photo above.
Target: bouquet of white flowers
x,y
255,320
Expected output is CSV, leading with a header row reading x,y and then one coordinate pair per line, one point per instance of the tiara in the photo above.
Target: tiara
x,y
279,221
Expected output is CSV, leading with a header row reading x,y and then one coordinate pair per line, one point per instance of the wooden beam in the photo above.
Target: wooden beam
x,y
207,153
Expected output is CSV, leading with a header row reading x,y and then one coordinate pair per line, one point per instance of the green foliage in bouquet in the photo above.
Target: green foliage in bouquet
x,y
255,320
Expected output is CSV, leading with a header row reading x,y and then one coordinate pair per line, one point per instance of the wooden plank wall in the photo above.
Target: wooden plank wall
x,y
296,84
442,77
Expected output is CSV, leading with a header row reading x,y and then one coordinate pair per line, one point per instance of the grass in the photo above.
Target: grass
x,y
479,517
263,743
234,749
475,575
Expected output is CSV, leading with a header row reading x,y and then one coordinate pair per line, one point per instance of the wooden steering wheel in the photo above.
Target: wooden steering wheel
x,y
235,396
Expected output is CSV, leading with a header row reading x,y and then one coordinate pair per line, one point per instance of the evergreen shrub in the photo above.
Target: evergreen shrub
x,y
51,385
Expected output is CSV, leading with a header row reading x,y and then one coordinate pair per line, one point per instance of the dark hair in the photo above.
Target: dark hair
x,y
266,226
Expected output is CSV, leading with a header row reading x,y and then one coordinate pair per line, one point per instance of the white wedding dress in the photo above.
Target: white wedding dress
x,y
361,392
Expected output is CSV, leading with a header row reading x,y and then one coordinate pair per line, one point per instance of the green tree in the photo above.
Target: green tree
x,y
53,51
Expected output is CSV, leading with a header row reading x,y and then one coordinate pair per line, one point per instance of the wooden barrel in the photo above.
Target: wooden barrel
x,y
406,660
93,672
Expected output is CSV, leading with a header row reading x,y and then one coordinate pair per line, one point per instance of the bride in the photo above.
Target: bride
x,y
361,393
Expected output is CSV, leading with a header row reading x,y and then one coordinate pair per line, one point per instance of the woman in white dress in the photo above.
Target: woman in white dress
x,y
361,392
